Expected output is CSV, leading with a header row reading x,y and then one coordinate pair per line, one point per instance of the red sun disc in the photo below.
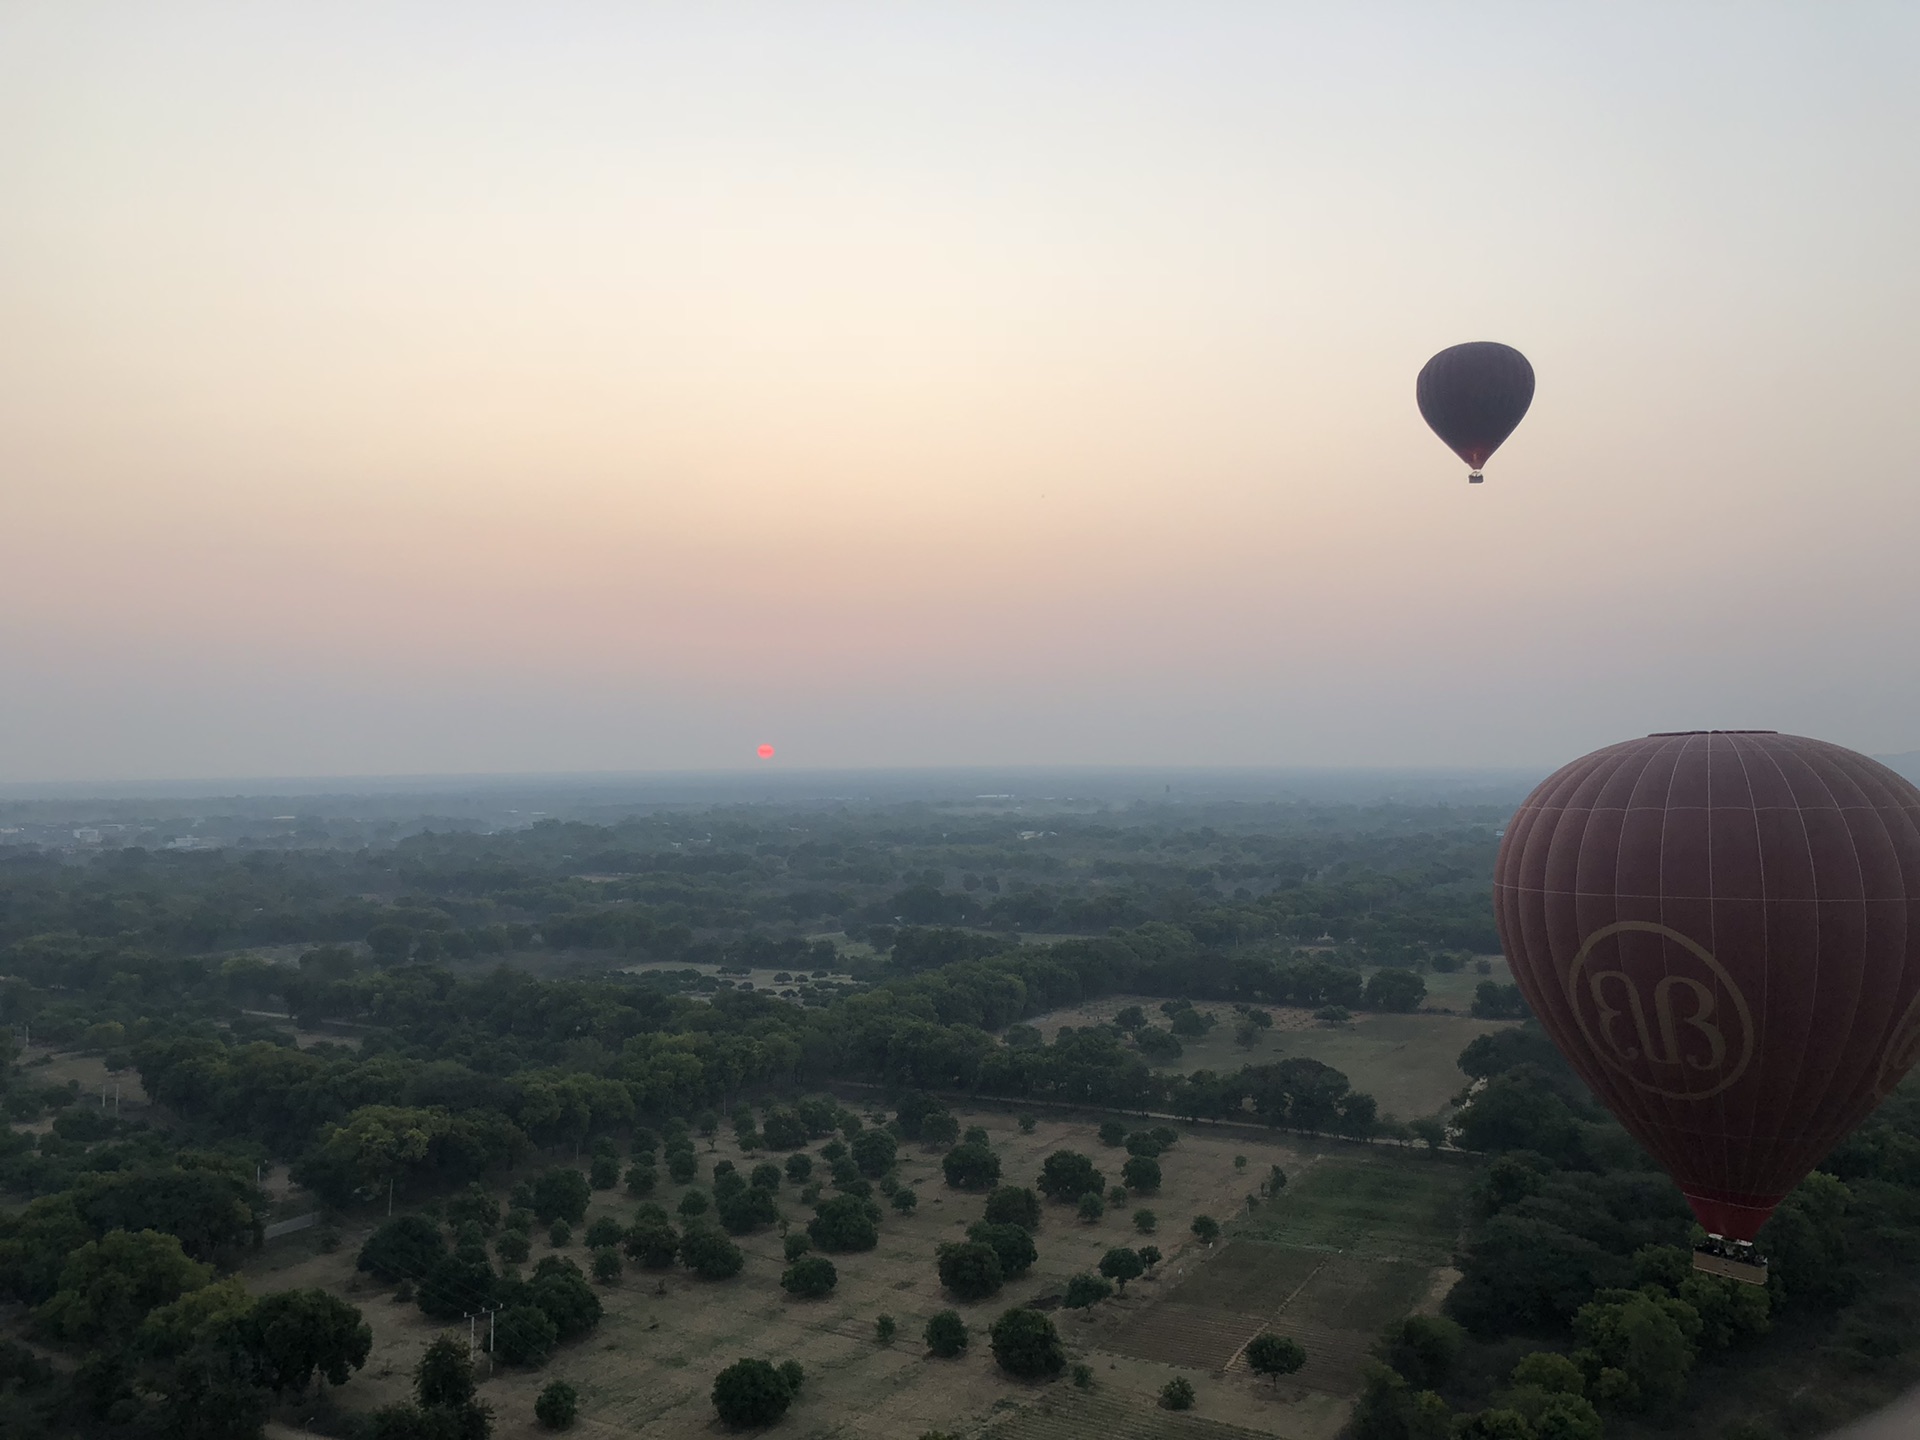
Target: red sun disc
x,y
765,752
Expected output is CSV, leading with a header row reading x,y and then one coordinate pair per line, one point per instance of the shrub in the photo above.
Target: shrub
x,y
1086,1291
1066,1175
1206,1228
1112,1132
885,1327
512,1247
1274,1355
641,1179
1145,1221
604,1232
970,1269
905,1201
971,1167
1026,1345
557,1406
523,1335
1082,1377
692,1204
521,1220
1092,1207
799,1167
795,1244
682,1166
606,1265
1142,1142
946,1334
1149,1255
810,1277
1027,1124
842,1224
1012,1244
1141,1173
1177,1394
711,1255
559,1235
604,1173
751,1392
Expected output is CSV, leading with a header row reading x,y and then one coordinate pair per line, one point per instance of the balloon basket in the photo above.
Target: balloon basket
x,y
1474,477
1731,1260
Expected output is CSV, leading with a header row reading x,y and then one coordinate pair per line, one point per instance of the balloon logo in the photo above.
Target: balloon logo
x,y
1721,932
1473,396
765,752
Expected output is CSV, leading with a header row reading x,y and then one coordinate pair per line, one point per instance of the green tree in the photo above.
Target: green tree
x,y
1635,1350
298,1332
810,1277
970,1270
1177,1394
524,1335
404,1248
606,1265
653,1242
1012,1244
1120,1265
603,1232
946,1334
1400,990
711,1255
1091,1207
1066,1175
751,1393
108,1286
971,1167
1086,1291
1422,1349
1014,1205
561,1193
1274,1355
844,1223
1112,1132
1142,1174
1145,1221
1026,1345
557,1405
905,1201
1206,1229
873,1151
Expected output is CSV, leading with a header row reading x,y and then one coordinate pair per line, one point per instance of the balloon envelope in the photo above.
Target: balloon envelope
x,y
1473,395
1721,932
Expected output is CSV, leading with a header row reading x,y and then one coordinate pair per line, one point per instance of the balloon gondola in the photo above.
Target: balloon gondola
x,y
1720,930
1473,396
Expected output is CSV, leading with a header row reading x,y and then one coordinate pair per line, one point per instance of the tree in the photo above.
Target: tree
x,y
604,1172
512,1247
653,1242
711,1255
1086,1291
1092,1207
905,1201
1066,1175
873,1151
1635,1350
1177,1394
799,1167
971,1167
1014,1205
561,1193
1206,1229
970,1270
1141,1173
1012,1244
1429,1131
946,1334
810,1277
1120,1265
746,1210
606,1265
1274,1355
642,1180
693,1204
557,1405
1149,1255
766,1176
1145,1221
524,1335
562,1291
1422,1349
1026,1345
842,1224
885,1327
296,1332
1144,1142
405,1247
1112,1132
603,1232
108,1286
1396,990
750,1393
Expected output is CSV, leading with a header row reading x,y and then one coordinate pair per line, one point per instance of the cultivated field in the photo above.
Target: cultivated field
x,y
651,1362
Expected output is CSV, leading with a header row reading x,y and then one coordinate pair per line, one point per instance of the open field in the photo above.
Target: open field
x,y
1389,1205
1406,1062
652,1360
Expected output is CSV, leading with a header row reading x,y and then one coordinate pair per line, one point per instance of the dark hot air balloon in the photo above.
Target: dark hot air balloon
x,y
1473,395
1721,932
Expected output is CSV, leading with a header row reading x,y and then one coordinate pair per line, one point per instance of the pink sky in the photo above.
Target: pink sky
x,y
409,389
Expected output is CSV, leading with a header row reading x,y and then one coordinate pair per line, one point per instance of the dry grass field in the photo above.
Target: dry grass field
x,y
650,1364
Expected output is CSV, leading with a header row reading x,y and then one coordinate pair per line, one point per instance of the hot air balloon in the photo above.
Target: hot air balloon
x,y
1721,932
1472,396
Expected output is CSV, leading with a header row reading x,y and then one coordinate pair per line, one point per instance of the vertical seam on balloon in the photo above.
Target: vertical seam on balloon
x,y
1652,1112
1819,915
1766,974
1876,801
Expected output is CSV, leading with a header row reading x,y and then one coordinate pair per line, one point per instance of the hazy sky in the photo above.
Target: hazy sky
x,y
391,388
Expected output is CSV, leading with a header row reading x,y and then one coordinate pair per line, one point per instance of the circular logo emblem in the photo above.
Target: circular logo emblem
x,y
1659,1010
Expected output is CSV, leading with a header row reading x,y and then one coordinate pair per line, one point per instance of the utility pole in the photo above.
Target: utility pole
x,y
492,1310
469,1319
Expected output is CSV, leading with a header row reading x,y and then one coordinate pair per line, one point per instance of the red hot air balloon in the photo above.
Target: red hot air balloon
x,y
1721,932
1473,396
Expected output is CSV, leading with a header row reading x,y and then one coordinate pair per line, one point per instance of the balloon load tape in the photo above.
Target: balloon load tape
x,y
1731,1260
